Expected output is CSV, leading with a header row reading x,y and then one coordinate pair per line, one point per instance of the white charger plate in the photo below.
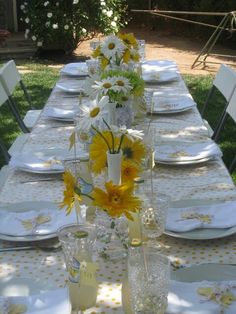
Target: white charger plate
x,y
199,234
27,206
189,162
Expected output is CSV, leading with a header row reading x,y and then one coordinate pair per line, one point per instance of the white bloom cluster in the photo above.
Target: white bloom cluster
x,y
46,3
49,15
75,1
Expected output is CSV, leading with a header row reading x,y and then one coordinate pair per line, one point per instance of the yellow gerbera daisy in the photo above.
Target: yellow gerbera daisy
x,y
97,52
129,171
128,39
126,56
117,200
133,150
71,192
98,150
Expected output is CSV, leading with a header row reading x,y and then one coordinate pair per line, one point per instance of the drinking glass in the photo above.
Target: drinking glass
x,y
94,44
141,43
149,285
153,216
93,66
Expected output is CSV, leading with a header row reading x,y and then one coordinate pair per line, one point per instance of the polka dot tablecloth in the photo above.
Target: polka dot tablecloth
x,y
209,181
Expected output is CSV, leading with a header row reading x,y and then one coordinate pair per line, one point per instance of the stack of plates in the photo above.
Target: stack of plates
x,y
76,69
170,105
186,152
159,65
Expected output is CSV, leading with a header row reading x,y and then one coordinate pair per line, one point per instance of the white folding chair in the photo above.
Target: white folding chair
x,y
10,78
230,110
18,143
224,82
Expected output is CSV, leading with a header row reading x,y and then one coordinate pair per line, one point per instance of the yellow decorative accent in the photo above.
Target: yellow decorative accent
x,y
117,200
193,215
178,154
222,296
30,224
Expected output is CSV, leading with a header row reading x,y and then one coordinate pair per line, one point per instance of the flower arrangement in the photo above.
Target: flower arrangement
x,y
118,85
117,50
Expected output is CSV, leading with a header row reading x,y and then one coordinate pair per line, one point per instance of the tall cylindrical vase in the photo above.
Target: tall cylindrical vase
x,y
111,108
114,167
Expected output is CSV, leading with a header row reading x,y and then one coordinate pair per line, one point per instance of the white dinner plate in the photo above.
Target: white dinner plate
x,y
72,87
188,162
199,234
76,69
159,77
153,111
60,114
208,272
27,206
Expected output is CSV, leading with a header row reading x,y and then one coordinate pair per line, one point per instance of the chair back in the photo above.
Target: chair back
x,y
225,81
9,76
231,109
3,95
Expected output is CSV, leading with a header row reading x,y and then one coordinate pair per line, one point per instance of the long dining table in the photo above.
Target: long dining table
x,y
209,181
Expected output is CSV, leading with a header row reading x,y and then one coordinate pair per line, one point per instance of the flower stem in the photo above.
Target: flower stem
x,y
103,137
112,136
121,141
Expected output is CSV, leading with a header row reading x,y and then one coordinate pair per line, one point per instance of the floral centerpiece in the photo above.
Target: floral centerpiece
x,y
117,51
125,90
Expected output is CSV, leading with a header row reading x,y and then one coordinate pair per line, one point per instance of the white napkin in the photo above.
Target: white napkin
x,y
221,215
171,103
53,112
51,302
153,76
186,151
158,65
71,86
35,222
34,163
183,298
75,69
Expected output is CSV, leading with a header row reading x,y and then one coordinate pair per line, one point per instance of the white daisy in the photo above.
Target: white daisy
x,y
92,113
104,85
112,46
122,84
131,133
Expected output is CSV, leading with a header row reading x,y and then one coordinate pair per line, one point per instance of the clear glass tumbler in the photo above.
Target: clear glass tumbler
x,y
153,216
149,286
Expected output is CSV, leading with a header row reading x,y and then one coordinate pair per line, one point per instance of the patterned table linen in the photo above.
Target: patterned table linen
x,y
206,181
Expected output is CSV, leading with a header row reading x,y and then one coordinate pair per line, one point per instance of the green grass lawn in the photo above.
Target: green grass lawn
x,y
40,78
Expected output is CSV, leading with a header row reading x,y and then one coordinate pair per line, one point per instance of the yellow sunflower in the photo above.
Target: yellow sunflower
x,y
128,39
98,151
117,200
133,150
129,171
71,192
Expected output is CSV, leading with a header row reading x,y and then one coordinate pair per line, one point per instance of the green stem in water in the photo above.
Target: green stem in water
x,y
121,141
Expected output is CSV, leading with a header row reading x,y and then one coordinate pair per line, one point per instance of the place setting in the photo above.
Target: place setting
x,y
75,69
186,152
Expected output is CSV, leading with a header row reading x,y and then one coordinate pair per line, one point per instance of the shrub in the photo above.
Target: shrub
x,y
62,24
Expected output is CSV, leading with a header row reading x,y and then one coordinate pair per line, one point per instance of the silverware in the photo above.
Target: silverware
x,y
46,248
38,180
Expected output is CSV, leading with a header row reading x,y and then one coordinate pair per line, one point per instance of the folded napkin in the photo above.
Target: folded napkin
x,y
202,297
75,69
51,302
158,65
71,86
53,112
186,151
221,215
161,104
35,222
34,163
153,76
